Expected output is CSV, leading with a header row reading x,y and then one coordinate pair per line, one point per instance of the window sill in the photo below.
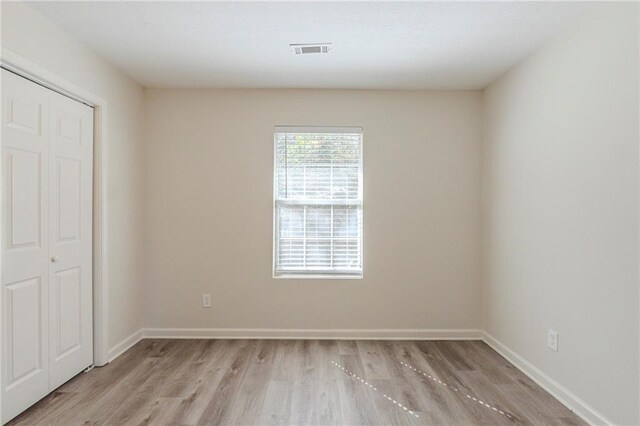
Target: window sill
x,y
294,276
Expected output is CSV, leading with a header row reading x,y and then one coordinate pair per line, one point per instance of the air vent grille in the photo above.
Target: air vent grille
x,y
305,49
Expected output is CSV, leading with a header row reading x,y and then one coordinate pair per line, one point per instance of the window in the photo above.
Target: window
x,y
318,201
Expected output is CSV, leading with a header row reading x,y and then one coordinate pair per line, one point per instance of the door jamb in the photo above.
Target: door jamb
x,y
22,66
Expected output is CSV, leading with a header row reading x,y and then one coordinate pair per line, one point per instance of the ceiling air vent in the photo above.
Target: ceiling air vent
x,y
305,49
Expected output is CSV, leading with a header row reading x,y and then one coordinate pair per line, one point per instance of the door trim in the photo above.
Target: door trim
x,y
25,68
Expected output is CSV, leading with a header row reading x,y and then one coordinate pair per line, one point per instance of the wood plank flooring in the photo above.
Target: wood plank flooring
x,y
300,382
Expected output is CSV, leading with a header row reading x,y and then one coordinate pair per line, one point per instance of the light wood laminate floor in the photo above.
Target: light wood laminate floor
x,y
298,382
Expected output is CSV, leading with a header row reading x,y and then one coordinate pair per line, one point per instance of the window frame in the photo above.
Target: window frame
x,y
339,275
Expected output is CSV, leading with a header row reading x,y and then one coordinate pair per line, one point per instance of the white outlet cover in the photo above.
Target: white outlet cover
x,y
206,300
552,340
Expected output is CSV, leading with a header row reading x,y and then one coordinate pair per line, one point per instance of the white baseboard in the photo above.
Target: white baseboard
x,y
316,334
559,392
125,345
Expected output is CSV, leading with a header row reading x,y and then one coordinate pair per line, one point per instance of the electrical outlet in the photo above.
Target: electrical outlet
x,y
552,340
206,300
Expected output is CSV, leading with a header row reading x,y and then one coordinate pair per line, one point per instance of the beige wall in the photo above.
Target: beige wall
x,y
561,210
29,34
209,168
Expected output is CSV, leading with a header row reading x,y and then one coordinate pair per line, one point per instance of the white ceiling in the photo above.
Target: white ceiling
x,y
376,45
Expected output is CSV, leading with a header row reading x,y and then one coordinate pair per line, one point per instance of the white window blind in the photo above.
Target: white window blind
x,y
318,201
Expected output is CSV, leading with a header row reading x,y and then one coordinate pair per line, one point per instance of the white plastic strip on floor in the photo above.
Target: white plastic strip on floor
x,y
472,398
387,397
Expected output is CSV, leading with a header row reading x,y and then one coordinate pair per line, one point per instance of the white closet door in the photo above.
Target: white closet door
x,y
46,216
70,200
25,244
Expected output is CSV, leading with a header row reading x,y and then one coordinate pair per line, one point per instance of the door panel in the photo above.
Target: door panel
x,y
70,275
67,292
68,200
47,162
24,342
24,115
23,198
69,127
25,245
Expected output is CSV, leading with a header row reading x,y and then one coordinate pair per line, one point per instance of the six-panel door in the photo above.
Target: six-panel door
x,y
47,156
70,215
